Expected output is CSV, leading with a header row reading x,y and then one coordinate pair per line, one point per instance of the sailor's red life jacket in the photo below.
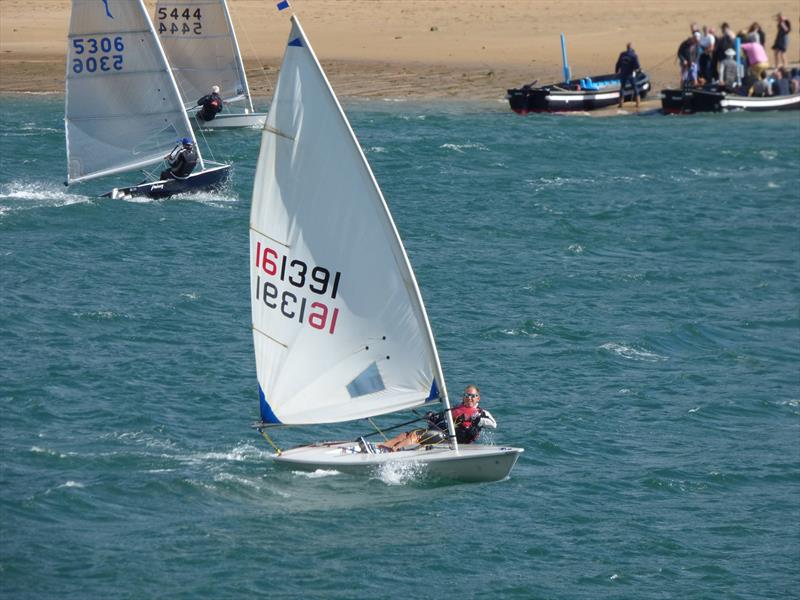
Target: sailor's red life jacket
x,y
468,412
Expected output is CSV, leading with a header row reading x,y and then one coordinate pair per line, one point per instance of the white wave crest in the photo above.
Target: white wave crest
x,y
399,473
213,199
461,147
47,452
318,474
632,353
769,154
237,479
240,453
27,195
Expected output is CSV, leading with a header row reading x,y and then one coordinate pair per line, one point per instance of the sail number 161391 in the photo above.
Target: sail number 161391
x,y
295,305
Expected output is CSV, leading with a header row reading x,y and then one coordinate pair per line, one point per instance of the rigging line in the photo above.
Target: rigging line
x,y
271,443
252,49
199,128
371,422
366,435
671,55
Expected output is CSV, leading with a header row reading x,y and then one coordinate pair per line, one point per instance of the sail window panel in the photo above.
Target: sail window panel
x,y
369,381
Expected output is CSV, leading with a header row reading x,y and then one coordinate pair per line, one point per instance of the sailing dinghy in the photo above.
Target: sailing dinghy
x,y
123,111
339,327
201,46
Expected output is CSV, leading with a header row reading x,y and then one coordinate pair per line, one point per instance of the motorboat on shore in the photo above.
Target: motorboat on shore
x,y
693,100
588,93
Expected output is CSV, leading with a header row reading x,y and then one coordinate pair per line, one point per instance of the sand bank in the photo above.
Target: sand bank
x,y
424,49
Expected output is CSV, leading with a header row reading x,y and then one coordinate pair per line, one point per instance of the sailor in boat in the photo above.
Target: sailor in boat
x,y
211,104
467,418
181,160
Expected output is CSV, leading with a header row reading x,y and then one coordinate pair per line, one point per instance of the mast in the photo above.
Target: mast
x,y
174,84
238,56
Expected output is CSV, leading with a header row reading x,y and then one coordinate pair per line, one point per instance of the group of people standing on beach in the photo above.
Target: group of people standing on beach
x,y
708,58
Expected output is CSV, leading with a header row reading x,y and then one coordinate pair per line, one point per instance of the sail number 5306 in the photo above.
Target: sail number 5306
x,y
94,54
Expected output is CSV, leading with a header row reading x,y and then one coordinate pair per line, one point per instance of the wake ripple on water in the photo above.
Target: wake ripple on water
x,y
217,199
19,195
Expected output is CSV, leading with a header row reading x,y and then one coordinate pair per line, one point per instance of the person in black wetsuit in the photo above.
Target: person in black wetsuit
x,y
211,104
181,160
626,67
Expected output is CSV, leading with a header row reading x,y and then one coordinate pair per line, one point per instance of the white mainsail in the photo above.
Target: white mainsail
x,y
123,110
200,43
339,328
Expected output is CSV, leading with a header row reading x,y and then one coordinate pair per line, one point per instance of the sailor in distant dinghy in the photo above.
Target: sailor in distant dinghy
x,y
211,104
181,160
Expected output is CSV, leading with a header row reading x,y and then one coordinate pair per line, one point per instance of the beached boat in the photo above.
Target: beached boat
x,y
589,93
201,45
340,330
123,111
689,101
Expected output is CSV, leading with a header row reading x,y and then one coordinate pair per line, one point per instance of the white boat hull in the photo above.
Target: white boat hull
x,y
472,463
233,120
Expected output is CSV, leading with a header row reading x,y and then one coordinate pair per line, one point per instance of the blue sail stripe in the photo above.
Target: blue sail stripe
x,y
434,395
267,416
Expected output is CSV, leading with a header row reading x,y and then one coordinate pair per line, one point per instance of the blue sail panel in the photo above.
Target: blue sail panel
x,y
267,416
434,395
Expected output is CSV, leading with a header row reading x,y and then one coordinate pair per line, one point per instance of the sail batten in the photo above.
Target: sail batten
x,y
277,241
341,294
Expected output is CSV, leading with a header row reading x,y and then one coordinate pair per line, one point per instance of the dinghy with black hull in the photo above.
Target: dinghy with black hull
x,y
693,100
589,93
340,331
123,112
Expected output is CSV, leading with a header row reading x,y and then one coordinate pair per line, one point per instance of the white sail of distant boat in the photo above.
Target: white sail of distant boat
x,y
200,43
339,327
122,108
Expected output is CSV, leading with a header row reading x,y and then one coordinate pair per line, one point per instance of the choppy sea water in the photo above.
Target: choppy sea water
x,y
625,291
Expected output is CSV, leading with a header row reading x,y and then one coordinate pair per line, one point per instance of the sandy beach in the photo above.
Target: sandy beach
x,y
423,49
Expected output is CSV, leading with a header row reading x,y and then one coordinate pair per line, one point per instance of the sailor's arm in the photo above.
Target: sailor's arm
x,y
487,420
